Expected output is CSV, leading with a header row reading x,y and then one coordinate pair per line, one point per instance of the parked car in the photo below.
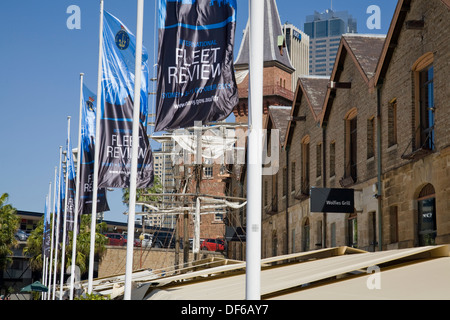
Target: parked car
x,y
147,239
116,239
213,245
137,242
21,235
163,239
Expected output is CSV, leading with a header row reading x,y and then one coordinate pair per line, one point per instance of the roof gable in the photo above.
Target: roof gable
x,y
364,50
313,89
279,117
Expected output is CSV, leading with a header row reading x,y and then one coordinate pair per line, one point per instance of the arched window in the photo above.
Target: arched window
x,y
427,216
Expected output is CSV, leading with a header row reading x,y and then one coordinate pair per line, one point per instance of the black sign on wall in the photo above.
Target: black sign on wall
x,y
332,200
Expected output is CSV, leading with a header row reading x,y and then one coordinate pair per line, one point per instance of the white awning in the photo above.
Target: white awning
x,y
343,274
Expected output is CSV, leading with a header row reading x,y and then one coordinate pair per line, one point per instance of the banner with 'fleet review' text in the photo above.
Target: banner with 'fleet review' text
x,y
116,122
196,79
86,156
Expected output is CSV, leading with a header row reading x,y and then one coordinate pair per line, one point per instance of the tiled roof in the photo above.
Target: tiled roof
x,y
366,49
315,89
280,118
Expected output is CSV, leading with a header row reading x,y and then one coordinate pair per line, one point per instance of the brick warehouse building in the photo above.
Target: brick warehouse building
x,y
381,130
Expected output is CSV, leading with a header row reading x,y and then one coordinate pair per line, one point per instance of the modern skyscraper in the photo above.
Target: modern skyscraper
x,y
324,31
297,45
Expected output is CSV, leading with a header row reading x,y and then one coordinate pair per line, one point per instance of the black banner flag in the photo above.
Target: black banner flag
x,y
196,79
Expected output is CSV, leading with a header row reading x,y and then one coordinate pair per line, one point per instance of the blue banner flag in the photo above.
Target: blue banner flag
x,y
116,121
196,80
62,197
70,171
46,241
86,155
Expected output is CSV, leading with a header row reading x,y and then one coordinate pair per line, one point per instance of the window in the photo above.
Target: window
x,y
392,123
370,138
427,216
305,236
274,244
333,234
305,166
319,234
275,193
372,230
332,159
266,192
207,172
318,160
424,101
293,176
218,216
393,224
207,169
351,145
353,231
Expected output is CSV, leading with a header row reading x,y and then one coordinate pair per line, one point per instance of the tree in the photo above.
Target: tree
x,y
9,223
84,243
34,245
140,193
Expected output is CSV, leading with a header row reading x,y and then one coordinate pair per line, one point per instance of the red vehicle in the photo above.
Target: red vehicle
x,y
213,245
116,239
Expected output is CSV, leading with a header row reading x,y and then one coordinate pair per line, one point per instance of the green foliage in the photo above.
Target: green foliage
x,y
141,193
33,249
92,296
9,223
34,245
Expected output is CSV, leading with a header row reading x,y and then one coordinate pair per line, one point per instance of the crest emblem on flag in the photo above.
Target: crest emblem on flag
x,y
89,104
122,39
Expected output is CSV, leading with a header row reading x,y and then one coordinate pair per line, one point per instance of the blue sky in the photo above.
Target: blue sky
x,y
40,65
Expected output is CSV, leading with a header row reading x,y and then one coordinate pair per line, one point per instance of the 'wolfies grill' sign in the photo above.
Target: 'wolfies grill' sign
x,y
332,200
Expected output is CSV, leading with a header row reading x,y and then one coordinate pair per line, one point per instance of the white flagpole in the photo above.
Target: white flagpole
x,y
63,253
53,233
44,259
96,155
135,149
46,272
253,252
77,194
57,224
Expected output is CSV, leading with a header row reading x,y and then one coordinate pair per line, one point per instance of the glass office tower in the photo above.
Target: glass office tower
x,y
324,31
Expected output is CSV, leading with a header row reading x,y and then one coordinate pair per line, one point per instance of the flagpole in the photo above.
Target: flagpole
x,y
135,149
49,200
253,252
44,258
58,203
53,233
77,193
63,253
96,155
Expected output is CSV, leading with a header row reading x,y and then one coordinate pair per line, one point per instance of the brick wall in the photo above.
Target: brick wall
x,y
159,260
403,179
